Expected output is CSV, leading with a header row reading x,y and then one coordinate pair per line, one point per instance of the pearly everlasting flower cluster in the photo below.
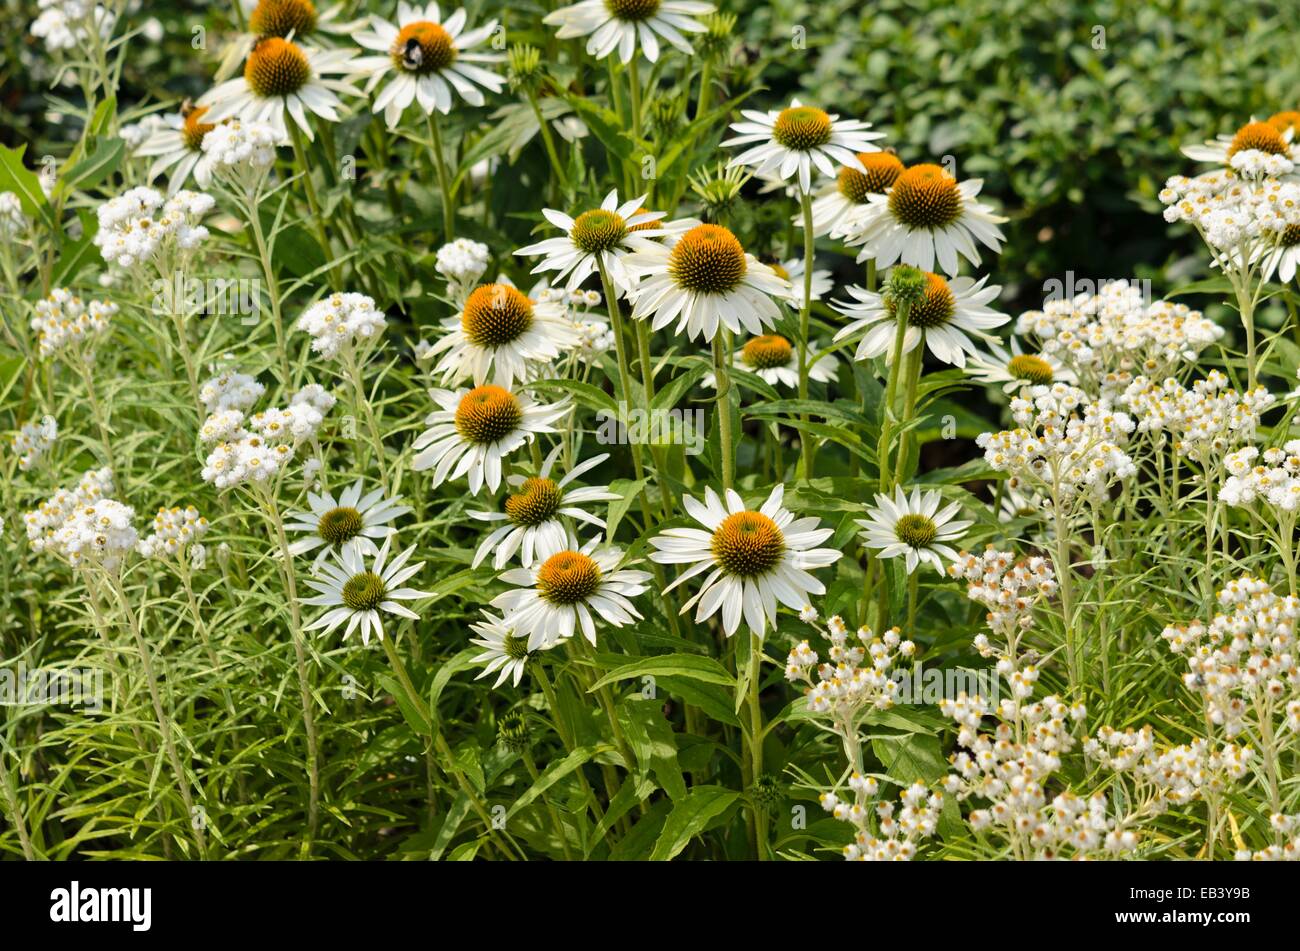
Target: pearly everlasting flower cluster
x,y
1109,337
856,675
242,152
1168,776
1283,826
463,261
1009,589
12,220
1065,442
1243,664
1205,422
1273,478
341,323
230,390
176,533
68,24
1241,221
135,134
879,835
33,441
83,524
142,226
69,325
266,444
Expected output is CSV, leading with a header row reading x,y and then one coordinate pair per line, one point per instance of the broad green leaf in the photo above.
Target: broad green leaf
x,y
690,817
691,666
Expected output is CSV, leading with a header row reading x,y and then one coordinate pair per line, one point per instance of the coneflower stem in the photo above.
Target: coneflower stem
x,y
444,179
722,376
891,394
909,410
755,738
806,439
313,202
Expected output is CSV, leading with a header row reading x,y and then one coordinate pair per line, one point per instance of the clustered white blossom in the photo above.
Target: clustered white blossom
x,y
267,442
1283,825
68,325
142,225
12,220
1243,664
1275,479
67,24
879,836
82,524
340,323
1009,589
1108,337
1170,775
176,533
230,390
134,134
33,441
1241,221
1066,442
856,675
462,262
594,333
241,152
1205,421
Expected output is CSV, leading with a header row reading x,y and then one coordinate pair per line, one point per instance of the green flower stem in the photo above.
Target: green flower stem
x,y
272,285
444,178
363,408
313,202
548,140
909,410
272,513
722,376
97,413
806,439
165,725
535,774
754,738
10,791
891,394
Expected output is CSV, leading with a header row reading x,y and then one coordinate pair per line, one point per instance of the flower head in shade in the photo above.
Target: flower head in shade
x,y
426,60
753,559
503,650
176,146
792,271
283,81
791,142
503,335
944,317
913,526
472,431
599,238
360,594
351,520
624,24
775,360
533,523
841,202
568,591
70,327
926,216
704,279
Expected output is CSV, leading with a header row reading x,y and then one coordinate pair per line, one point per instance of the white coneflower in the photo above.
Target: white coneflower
x,y
838,206
596,239
502,334
1283,260
926,215
474,430
503,650
704,279
299,20
914,527
358,594
754,559
1014,369
943,317
619,24
568,591
793,272
351,520
774,359
283,79
534,513
792,141
1259,141
176,147
425,60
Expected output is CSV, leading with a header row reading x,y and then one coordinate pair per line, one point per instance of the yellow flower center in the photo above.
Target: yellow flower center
x,y
767,352
537,501
1261,136
1029,367
747,544
916,531
708,260
568,577
934,308
194,130
495,315
802,128
633,10
488,413
1284,121
340,525
882,170
282,17
423,48
276,67
364,592
925,196
1291,236
598,230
